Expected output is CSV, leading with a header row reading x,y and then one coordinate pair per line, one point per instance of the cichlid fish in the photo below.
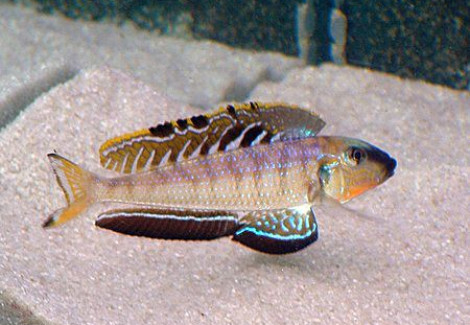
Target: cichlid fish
x,y
254,172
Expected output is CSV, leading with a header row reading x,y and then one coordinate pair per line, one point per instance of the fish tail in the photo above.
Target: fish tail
x,y
75,182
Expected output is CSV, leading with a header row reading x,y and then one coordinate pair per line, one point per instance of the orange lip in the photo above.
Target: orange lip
x,y
357,190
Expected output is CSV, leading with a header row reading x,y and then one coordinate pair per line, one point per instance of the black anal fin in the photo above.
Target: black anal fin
x,y
278,231
170,223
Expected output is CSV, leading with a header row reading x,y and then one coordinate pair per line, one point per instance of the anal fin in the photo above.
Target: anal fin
x,y
170,223
279,231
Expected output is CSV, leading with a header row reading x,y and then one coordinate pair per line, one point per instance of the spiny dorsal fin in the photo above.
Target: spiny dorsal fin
x,y
228,128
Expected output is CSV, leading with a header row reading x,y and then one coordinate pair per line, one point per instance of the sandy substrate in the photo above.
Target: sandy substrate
x,y
410,266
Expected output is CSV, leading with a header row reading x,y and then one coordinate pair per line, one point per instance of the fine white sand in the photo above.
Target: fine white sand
x,y
410,266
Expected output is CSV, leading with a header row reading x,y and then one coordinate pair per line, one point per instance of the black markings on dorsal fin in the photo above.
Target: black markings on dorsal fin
x,y
254,106
267,138
231,111
205,148
251,135
182,123
231,127
200,121
162,130
231,135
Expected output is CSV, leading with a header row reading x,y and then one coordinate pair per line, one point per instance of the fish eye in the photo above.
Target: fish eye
x,y
356,155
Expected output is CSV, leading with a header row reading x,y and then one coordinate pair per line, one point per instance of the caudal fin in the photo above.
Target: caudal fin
x,y
75,182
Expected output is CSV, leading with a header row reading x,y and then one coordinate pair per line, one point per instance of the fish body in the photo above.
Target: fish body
x,y
261,177
262,195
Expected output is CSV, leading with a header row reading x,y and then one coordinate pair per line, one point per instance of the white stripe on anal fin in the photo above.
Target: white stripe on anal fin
x,y
168,215
168,224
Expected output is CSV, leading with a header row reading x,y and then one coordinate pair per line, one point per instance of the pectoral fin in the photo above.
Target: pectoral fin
x,y
278,231
169,223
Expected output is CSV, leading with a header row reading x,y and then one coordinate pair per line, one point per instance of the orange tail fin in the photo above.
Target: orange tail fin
x,y
75,182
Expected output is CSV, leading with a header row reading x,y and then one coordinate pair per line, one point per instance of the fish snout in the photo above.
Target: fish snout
x,y
390,167
383,159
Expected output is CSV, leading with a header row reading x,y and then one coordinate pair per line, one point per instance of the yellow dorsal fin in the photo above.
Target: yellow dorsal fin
x,y
228,128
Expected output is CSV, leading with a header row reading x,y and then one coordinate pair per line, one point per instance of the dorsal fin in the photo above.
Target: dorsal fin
x,y
228,128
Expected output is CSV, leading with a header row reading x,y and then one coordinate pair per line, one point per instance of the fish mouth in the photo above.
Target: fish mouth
x,y
389,164
390,167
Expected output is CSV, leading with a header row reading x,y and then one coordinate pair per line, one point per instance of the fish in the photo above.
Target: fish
x,y
262,194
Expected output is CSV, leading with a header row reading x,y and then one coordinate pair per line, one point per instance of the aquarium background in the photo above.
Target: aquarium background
x,y
74,74
423,39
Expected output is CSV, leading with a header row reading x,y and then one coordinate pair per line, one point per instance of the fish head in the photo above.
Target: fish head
x,y
352,167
